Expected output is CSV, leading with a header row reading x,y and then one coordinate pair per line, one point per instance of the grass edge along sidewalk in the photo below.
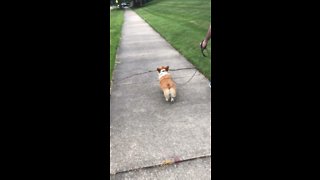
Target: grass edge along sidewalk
x,y
116,21
183,23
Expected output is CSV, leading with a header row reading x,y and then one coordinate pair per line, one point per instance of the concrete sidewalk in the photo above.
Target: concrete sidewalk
x,y
145,130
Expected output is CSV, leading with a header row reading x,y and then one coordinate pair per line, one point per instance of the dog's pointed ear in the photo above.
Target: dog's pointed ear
x,y
158,69
167,68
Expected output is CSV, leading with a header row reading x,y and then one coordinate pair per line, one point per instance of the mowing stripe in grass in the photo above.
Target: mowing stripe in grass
x,y
183,23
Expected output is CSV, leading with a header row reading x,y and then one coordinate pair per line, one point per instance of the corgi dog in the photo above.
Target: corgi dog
x,y
166,83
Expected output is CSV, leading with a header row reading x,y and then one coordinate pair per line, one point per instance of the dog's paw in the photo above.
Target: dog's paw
x,y
167,99
172,99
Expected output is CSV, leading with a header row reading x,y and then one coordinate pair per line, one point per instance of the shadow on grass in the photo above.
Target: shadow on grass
x,y
138,6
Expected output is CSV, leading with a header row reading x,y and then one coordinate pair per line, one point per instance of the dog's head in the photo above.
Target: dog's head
x,y
163,69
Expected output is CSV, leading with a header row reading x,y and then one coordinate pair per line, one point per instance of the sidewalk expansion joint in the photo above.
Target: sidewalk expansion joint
x,y
164,163
137,74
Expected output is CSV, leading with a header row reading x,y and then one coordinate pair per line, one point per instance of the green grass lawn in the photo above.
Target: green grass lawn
x,y
116,20
183,23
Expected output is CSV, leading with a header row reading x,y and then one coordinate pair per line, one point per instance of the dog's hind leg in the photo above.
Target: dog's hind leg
x,y
166,93
173,94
